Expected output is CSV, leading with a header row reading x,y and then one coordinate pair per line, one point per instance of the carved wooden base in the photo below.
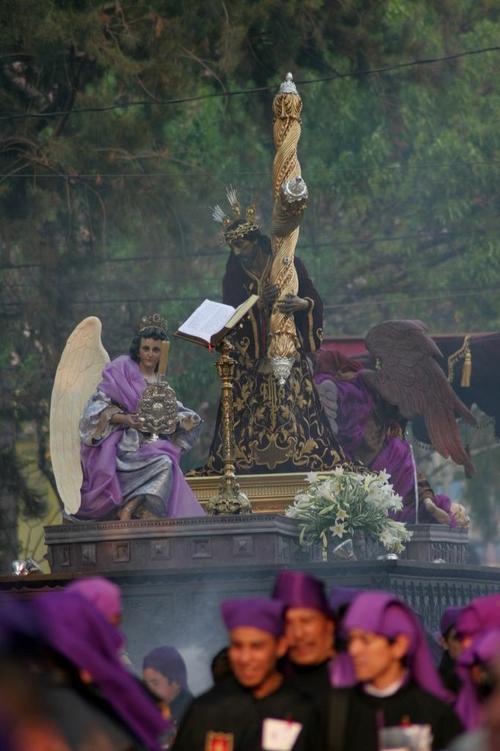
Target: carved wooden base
x,y
225,541
437,543
177,544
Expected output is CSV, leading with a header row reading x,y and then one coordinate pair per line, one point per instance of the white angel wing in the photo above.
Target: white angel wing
x,y
78,373
328,395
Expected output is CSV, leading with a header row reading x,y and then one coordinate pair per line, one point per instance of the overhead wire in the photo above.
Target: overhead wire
x,y
254,90
450,293
240,173
333,243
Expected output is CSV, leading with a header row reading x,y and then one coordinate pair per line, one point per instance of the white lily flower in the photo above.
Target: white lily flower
x,y
338,529
312,477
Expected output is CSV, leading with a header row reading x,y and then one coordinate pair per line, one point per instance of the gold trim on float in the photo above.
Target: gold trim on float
x,y
268,493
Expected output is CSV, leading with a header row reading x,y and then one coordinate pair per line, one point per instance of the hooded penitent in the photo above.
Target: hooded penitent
x,y
382,613
75,629
102,593
480,614
449,618
484,651
299,590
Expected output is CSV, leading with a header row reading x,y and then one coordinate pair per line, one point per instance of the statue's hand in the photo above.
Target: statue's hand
x,y
292,304
189,422
270,293
439,514
127,420
133,421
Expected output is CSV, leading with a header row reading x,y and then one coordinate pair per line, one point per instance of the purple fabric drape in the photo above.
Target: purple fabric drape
x,y
299,590
341,597
102,593
355,406
263,613
485,649
449,618
123,383
74,628
341,670
480,614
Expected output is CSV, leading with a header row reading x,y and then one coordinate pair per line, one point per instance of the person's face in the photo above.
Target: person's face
x,y
309,634
253,654
245,248
160,685
149,354
452,644
376,660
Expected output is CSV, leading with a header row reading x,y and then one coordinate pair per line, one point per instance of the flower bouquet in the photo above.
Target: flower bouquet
x,y
344,502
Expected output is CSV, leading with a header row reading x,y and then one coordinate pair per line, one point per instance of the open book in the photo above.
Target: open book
x,y
211,321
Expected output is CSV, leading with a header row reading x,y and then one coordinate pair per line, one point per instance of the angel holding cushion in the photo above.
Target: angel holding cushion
x,y
106,461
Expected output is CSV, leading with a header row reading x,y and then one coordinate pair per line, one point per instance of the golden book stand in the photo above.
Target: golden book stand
x,y
229,499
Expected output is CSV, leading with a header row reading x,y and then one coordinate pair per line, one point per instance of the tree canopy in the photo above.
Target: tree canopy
x,y
123,121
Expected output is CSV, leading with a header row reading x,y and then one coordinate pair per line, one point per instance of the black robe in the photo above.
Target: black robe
x,y
355,717
312,680
179,706
276,428
231,710
447,672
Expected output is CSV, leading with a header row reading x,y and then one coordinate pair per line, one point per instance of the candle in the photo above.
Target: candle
x,y
162,366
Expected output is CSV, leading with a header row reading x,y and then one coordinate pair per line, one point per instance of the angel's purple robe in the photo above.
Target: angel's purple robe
x,y
360,424
120,463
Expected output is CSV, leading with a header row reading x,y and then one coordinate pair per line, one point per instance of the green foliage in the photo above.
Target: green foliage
x,y
107,213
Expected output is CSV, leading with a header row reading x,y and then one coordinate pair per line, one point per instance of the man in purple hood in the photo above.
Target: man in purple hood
x,y
478,667
481,614
479,701
397,683
61,684
102,593
309,629
86,645
257,709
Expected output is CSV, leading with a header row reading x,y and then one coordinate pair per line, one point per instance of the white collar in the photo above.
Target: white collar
x,y
381,693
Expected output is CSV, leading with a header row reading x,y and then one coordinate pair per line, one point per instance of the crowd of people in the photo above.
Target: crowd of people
x,y
303,669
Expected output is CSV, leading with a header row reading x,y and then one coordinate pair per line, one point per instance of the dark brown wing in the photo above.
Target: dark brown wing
x,y
409,376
